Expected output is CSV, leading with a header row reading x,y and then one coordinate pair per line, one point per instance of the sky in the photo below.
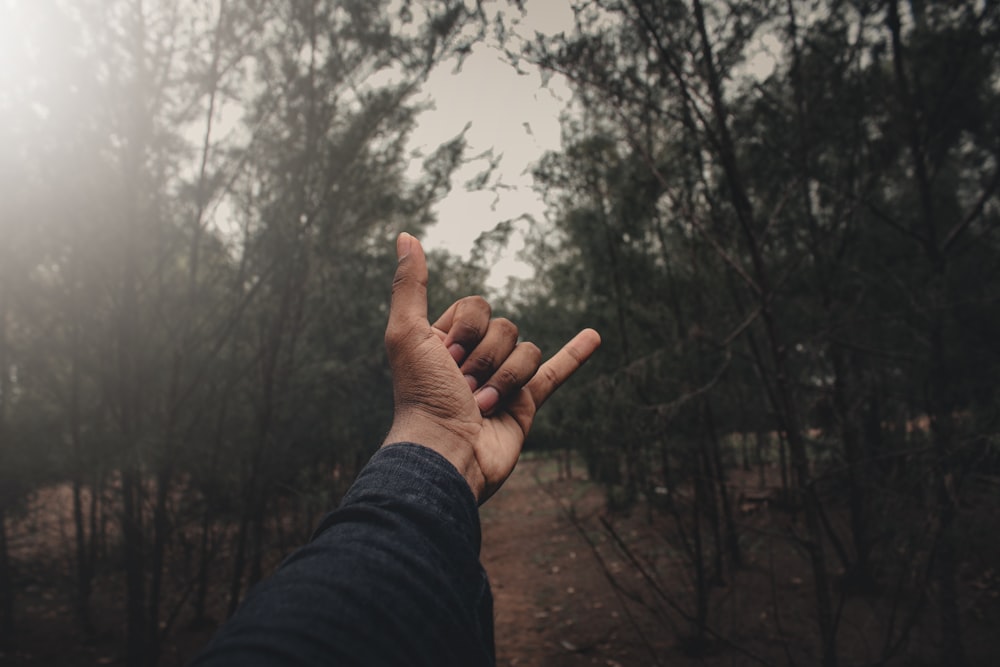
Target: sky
x,y
516,116
510,113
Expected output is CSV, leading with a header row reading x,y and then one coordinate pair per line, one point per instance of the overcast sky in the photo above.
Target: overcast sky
x,y
508,112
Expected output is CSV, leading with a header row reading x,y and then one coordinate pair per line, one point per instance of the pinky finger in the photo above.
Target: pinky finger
x,y
562,365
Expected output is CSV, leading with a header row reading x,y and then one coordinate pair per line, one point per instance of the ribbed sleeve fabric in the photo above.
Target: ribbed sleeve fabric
x,y
392,577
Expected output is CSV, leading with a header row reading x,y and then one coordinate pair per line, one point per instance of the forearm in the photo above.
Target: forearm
x,y
390,578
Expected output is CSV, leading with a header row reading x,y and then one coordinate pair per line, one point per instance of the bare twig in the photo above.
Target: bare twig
x,y
616,588
976,211
643,571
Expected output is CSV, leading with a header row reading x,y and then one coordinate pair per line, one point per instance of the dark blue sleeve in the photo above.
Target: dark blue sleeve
x,y
392,577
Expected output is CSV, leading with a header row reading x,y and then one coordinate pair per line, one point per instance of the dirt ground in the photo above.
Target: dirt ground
x,y
552,603
566,594
552,562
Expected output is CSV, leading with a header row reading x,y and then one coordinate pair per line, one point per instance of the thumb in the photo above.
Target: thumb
x,y
409,287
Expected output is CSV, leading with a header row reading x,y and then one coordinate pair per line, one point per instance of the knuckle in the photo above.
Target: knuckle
x,y
533,351
550,376
466,330
478,303
404,276
480,363
398,281
575,354
506,378
506,327
393,335
398,335
472,318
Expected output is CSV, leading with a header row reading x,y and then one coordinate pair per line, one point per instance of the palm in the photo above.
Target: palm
x,y
437,387
502,437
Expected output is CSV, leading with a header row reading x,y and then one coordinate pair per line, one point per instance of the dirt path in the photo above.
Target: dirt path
x,y
553,604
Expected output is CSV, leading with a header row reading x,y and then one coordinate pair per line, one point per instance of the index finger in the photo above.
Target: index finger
x,y
560,367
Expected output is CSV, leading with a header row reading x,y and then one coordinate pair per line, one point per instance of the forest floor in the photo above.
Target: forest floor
x,y
575,585
566,595
553,604
570,592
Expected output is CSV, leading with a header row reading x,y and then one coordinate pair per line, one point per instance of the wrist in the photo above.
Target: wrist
x,y
457,448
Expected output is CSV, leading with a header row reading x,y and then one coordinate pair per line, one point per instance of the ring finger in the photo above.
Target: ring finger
x,y
519,367
490,353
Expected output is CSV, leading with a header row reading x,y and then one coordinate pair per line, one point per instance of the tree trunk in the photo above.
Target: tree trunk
x,y
135,585
6,587
785,406
745,451
257,549
98,521
761,448
158,555
946,482
783,469
84,560
860,574
710,505
208,515
6,580
201,592
732,536
939,401
239,562
84,564
701,578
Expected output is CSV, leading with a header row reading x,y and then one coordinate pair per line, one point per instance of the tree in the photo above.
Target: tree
x,y
230,177
759,223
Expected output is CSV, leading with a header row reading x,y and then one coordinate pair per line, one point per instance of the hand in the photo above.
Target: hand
x,y
480,433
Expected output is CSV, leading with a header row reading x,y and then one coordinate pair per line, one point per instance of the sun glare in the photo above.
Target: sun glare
x,y
15,48
35,41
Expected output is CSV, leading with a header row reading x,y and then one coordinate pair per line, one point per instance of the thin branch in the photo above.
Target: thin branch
x,y
651,581
976,211
615,586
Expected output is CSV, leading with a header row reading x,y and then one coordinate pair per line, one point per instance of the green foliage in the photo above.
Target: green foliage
x,y
199,208
781,217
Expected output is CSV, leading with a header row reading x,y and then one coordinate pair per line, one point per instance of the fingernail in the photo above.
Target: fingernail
x,y
487,399
457,352
472,382
403,243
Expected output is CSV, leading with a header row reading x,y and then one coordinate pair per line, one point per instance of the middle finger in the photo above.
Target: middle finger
x,y
492,351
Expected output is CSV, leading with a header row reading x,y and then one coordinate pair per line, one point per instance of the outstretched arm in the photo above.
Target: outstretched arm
x,y
393,577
